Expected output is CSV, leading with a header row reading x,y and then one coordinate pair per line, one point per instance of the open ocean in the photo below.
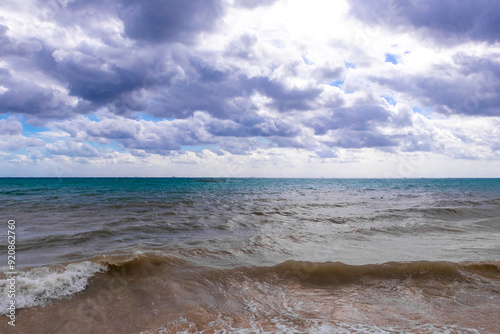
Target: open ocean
x,y
168,255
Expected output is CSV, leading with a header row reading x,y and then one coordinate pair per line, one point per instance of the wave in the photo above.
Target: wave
x,y
39,286
433,213
321,274
210,180
66,239
333,273
292,296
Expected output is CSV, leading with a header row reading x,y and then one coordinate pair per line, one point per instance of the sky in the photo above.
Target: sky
x,y
242,88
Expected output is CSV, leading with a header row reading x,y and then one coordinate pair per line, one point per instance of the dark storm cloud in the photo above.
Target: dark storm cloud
x,y
152,21
207,73
183,98
225,93
114,74
358,127
37,101
473,89
127,80
252,126
356,119
285,99
446,19
168,20
5,43
93,79
17,48
29,99
224,98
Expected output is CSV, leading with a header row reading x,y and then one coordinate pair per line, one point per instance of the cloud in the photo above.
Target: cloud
x,y
153,137
252,126
168,20
197,80
18,142
242,47
5,43
92,78
361,118
19,48
149,21
251,4
72,149
441,20
161,80
361,139
285,98
10,127
226,93
469,86
166,136
30,99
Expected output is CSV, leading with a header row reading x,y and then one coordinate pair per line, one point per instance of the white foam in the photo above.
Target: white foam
x,y
314,327
39,286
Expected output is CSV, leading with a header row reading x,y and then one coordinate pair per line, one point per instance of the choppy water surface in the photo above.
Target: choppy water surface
x,y
255,255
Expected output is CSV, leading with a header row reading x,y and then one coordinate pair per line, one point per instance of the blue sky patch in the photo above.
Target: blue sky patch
x,y
151,118
307,61
264,140
29,130
390,58
390,100
92,117
427,112
337,83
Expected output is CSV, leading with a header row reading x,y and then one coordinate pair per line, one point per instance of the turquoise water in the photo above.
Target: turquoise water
x,y
352,220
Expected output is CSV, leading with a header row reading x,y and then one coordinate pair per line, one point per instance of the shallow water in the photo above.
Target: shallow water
x,y
255,255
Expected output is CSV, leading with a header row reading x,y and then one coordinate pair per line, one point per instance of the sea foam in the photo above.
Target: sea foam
x,y
312,327
38,286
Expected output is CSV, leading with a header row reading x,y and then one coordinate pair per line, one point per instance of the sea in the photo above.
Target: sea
x,y
250,255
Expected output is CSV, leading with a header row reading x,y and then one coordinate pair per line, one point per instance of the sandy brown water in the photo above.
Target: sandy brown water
x,y
163,294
